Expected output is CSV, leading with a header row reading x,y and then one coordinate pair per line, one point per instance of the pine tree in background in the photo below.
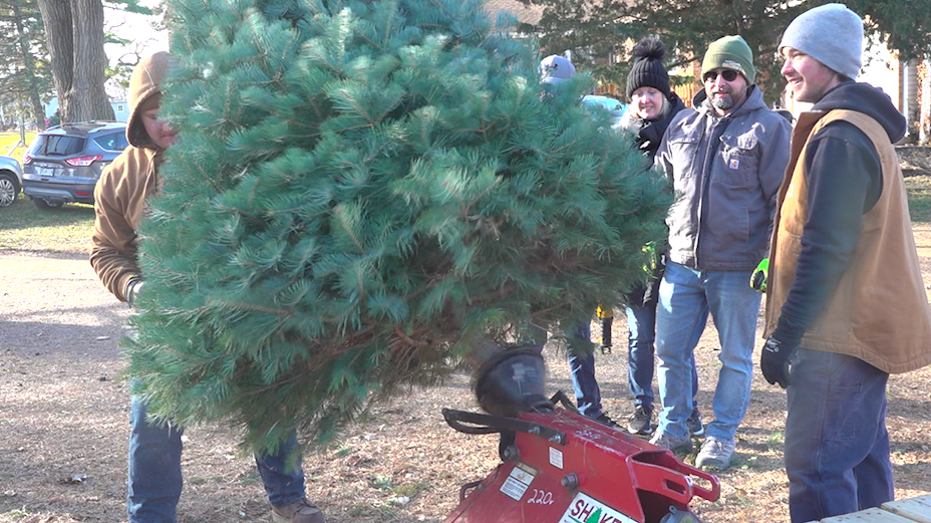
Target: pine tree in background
x,y
362,192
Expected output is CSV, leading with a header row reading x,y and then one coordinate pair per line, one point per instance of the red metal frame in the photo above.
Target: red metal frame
x,y
598,475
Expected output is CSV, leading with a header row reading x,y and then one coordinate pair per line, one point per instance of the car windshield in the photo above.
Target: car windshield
x,y
57,145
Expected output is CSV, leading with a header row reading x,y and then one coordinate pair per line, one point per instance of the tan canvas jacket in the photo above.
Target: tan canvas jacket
x,y
120,194
119,201
879,312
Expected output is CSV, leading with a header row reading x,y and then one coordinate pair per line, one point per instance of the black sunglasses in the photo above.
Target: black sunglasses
x,y
729,75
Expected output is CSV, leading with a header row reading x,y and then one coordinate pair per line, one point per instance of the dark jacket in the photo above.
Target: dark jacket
x,y
726,172
847,184
648,134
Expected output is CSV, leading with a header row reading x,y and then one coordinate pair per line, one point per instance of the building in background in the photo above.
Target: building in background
x,y
526,14
116,93
120,109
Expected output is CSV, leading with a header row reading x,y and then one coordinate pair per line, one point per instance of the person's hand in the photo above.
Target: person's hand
x,y
132,290
760,275
775,360
654,255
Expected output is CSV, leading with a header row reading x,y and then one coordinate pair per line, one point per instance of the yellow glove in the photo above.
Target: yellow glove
x,y
654,254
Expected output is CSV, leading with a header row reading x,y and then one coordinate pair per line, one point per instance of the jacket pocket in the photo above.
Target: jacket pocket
x,y
683,146
740,163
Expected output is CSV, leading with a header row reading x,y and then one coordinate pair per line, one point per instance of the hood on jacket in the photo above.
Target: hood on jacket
x,y
144,86
753,102
869,100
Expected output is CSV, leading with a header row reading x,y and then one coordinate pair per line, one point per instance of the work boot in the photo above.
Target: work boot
x,y
696,428
641,421
301,511
674,444
716,454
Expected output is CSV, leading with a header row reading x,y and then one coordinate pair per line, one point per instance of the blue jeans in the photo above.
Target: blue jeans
x,y
582,368
837,447
155,471
686,296
641,335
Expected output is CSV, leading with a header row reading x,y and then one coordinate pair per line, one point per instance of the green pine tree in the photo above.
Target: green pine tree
x,y
362,192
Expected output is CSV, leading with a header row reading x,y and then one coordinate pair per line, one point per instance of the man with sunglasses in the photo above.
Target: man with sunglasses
x,y
725,158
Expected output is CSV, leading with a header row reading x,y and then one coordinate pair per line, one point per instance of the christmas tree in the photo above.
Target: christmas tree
x,y
362,193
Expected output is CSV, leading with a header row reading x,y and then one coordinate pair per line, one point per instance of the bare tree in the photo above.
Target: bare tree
x,y
75,41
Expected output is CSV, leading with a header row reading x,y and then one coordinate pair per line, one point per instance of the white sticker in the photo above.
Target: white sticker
x,y
514,489
523,473
518,481
585,509
556,458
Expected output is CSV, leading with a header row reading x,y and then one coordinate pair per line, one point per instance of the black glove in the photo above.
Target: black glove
x,y
775,359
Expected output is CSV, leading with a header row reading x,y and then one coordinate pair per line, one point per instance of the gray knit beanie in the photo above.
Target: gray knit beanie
x,y
831,34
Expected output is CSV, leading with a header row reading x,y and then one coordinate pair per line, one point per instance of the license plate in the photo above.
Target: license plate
x,y
45,172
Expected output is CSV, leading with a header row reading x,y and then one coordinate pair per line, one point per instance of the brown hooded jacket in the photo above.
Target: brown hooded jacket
x,y
119,198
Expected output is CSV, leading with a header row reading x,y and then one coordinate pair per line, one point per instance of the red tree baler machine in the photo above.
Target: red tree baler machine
x,y
560,467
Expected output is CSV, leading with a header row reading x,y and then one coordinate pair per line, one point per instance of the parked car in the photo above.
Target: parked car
x,y
616,107
64,162
11,180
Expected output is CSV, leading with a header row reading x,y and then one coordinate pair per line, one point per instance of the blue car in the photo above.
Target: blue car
x,y
11,180
64,162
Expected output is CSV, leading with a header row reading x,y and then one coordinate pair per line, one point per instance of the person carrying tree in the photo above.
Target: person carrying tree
x,y
845,303
155,481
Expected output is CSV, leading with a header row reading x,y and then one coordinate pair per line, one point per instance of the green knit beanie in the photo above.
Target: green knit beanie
x,y
730,52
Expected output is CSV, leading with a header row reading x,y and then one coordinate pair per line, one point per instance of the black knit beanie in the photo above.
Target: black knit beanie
x,y
648,69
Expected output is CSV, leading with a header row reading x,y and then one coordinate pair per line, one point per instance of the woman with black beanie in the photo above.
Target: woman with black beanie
x,y
652,103
652,106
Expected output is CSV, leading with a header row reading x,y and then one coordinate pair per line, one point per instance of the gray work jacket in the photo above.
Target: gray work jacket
x,y
726,172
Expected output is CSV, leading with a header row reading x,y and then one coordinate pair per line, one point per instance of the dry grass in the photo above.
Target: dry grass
x,y
64,411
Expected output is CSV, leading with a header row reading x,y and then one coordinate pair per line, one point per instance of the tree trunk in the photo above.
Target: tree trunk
x,y
56,16
75,39
30,65
88,97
